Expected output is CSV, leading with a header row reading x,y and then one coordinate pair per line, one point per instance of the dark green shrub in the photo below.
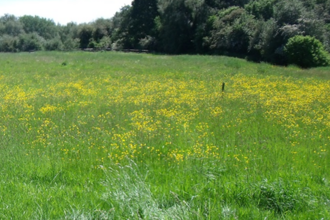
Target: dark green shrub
x,y
29,42
85,35
8,43
54,44
306,52
261,8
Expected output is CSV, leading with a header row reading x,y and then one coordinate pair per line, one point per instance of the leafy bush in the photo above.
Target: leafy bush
x,y
54,44
306,51
231,30
71,44
261,8
148,43
8,43
105,42
85,35
28,42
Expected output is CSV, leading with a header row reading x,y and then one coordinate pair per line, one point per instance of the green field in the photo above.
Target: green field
x,y
140,136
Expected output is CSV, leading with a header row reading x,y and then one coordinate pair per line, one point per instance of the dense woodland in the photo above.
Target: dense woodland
x,y
254,29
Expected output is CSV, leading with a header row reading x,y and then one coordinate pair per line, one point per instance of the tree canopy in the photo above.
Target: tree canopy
x,y
256,29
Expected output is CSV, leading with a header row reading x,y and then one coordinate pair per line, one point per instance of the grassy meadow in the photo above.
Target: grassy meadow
x,y
140,136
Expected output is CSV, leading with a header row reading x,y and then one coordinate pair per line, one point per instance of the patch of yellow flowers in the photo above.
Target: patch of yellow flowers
x,y
160,118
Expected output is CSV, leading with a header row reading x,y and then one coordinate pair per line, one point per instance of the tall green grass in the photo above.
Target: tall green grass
x,y
139,136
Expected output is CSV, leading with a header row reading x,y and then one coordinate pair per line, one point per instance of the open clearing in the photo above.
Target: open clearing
x,y
139,136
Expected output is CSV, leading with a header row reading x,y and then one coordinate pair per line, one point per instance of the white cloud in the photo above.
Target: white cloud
x,y
63,11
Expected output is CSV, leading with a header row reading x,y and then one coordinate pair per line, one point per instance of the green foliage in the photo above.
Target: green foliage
x,y
71,44
176,32
8,43
288,12
30,42
266,43
306,52
255,29
69,35
92,43
120,24
232,30
261,9
11,25
142,24
54,44
43,27
226,3
102,28
85,36
105,42
148,43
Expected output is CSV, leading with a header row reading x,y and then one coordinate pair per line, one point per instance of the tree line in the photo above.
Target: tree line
x,y
256,29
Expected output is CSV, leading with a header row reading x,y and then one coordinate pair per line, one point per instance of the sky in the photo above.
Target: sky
x,y
63,11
